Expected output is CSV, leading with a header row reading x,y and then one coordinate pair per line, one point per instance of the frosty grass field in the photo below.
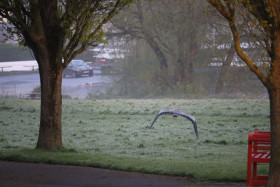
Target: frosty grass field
x,y
114,134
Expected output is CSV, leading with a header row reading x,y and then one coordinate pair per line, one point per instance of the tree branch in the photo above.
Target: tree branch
x,y
230,16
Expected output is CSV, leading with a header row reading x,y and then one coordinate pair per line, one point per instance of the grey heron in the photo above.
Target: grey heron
x,y
176,113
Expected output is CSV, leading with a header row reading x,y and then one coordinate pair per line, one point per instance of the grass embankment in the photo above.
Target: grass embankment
x,y
113,134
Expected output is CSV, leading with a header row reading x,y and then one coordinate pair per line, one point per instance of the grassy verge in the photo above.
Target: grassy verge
x,y
113,134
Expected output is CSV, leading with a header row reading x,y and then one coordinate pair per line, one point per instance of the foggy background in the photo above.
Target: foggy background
x,y
163,48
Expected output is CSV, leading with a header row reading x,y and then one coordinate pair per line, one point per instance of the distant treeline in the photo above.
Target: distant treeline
x,y
13,52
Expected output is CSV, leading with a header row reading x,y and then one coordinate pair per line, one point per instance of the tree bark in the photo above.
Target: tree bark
x,y
50,68
274,170
274,95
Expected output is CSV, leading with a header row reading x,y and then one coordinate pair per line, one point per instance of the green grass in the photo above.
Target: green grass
x,y
114,134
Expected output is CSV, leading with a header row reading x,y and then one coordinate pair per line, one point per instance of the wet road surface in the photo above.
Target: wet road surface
x,y
21,84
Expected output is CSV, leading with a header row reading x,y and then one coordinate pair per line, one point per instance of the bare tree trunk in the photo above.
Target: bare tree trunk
x,y
193,44
224,70
179,70
50,132
274,170
182,60
274,95
192,56
164,76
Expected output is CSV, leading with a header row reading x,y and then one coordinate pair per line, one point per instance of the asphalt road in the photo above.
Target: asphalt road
x,y
14,174
24,174
21,84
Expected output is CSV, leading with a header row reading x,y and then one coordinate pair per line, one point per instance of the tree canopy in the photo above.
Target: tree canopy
x,y
77,23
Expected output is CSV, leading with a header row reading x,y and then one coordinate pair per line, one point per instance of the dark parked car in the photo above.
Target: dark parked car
x,y
77,68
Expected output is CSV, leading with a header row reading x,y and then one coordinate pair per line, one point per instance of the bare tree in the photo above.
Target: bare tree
x,y
137,23
173,30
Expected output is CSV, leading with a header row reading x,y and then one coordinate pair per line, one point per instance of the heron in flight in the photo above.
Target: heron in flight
x,y
176,113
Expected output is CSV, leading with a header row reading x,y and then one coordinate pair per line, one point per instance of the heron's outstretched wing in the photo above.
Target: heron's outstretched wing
x,y
192,119
160,113
177,113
